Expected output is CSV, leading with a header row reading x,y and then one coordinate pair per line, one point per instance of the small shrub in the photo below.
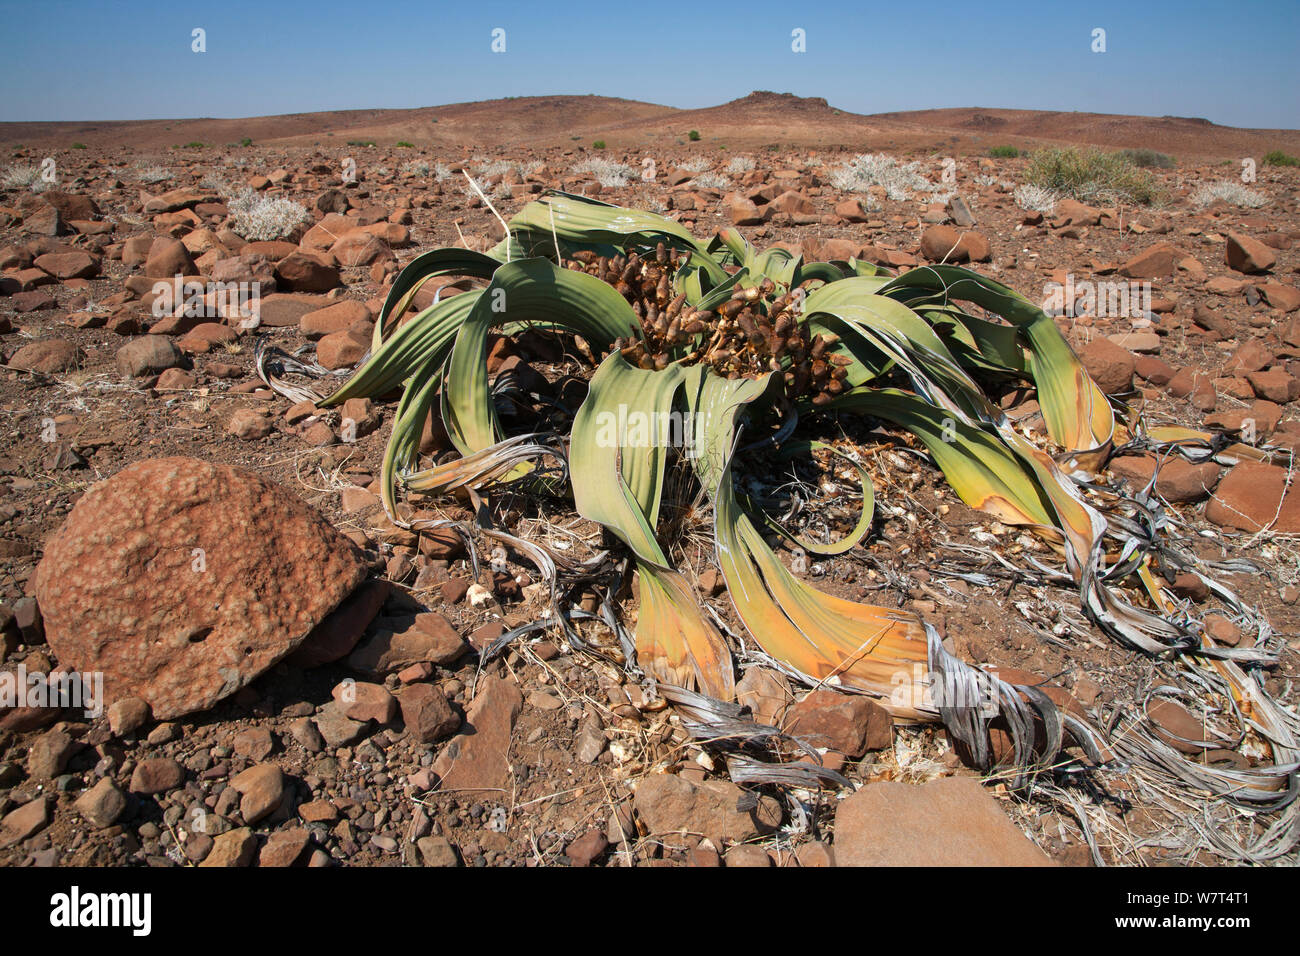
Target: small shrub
x,y
1148,158
607,172
261,218
416,167
1035,199
153,174
708,180
246,141
599,144
1091,176
78,145
193,144
697,165
361,142
876,169
22,177
1231,192
740,164
1278,158
693,136
403,144
1004,152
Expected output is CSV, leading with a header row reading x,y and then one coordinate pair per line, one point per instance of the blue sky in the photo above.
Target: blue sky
x,y
1234,63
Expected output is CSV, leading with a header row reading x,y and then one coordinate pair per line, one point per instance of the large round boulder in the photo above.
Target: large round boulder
x,y
182,580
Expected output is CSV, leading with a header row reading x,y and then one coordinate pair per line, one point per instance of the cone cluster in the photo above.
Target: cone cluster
x,y
756,331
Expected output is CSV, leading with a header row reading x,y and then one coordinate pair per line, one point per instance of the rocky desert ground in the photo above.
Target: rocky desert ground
x,y
388,737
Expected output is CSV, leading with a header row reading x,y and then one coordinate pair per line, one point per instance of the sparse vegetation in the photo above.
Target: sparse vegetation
x,y
403,144
416,167
361,142
697,165
693,136
599,144
1278,158
607,172
22,177
153,174
1229,191
876,169
246,141
711,180
78,145
1035,199
740,164
1091,176
1148,158
258,218
1004,152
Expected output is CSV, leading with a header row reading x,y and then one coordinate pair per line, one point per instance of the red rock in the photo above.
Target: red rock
x,y
950,821
168,258
1281,296
478,757
1249,498
342,349
282,309
48,356
284,848
851,210
1244,254
69,265
71,205
18,825
1110,366
174,200
262,788
815,854
360,247
334,318
1151,263
335,637
103,804
425,712
667,804
584,850
181,581
255,743
1251,357
1181,481
249,424
946,244
147,355
743,212
1071,212
747,855
1151,369
175,379
305,272
234,848
157,775
206,336
362,701
793,203
398,643
848,723
1176,726
1274,385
